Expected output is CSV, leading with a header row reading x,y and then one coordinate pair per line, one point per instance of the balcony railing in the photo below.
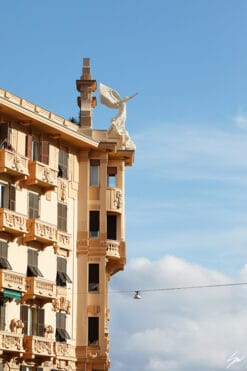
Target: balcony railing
x,y
12,222
114,200
12,281
11,342
42,175
40,231
13,164
38,346
112,249
63,243
64,351
40,288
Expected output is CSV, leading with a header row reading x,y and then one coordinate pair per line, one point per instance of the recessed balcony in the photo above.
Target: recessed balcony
x,y
12,281
114,200
42,175
12,222
13,164
64,351
63,245
11,342
39,288
37,346
42,232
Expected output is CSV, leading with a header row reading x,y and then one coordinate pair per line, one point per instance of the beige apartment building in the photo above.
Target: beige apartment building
x,y
62,233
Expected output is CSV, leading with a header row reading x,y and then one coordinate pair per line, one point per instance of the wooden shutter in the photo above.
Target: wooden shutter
x,y
24,318
12,193
62,217
33,206
3,249
2,315
40,321
63,164
29,146
44,152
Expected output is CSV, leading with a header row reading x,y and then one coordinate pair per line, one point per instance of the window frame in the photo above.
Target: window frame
x,y
112,227
62,277
93,331
61,333
62,217
63,163
4,263
112,176
33,211
33,319
93,277
32,264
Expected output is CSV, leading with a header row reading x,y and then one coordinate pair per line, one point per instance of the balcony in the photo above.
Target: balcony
x,y
64,351
12,281
63,245
13,164
12,222
37,346
114,200
39,288
42,175
11,342
115,252
42,232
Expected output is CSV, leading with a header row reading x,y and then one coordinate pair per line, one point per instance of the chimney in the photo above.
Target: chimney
x,y
86,102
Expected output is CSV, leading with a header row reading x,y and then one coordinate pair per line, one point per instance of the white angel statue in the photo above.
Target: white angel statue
x,y
112,99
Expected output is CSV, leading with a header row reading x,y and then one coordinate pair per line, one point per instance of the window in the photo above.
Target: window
x,y
61,332
63,164
7,196
93,277
111,227
93,223
4,263
37,150
2,314
4,135
62,217
94,172
93,330
32,264
62,277
33,319
33,205
111,177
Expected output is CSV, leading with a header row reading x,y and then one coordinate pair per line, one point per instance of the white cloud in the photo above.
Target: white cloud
x,y
240,120
183,330
193,152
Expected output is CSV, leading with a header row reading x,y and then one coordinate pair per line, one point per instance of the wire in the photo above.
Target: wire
x,y
182,288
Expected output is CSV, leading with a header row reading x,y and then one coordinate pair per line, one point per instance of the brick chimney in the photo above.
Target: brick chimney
x,y
86,102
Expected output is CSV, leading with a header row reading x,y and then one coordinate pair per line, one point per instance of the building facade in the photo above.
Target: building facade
x,y
62,233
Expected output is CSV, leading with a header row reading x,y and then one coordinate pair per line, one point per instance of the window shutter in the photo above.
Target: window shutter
x,y
33,206
29,146
2,315
63,164
3,249
12,193
62,217
40,321
5,196
44,152
24,318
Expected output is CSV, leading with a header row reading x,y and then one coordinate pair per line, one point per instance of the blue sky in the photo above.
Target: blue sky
x,y
186,194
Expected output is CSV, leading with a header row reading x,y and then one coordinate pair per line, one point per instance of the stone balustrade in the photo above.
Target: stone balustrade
x,y
12,222
42,232
38,346
11,342
64,351
12,281
39,288
13,164
63,243
112,249
42,175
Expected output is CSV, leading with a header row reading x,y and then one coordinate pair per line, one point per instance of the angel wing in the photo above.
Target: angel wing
x,y
108,96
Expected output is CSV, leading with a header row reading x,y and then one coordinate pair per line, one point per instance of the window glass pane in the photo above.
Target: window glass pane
x,y
94,172
111,176
112,227
35,150
93,277
93,223
93,330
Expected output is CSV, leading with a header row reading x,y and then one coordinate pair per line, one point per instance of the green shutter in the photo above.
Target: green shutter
x,y
12,193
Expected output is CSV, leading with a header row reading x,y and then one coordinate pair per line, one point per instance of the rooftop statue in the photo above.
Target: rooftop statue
x,y
112,99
